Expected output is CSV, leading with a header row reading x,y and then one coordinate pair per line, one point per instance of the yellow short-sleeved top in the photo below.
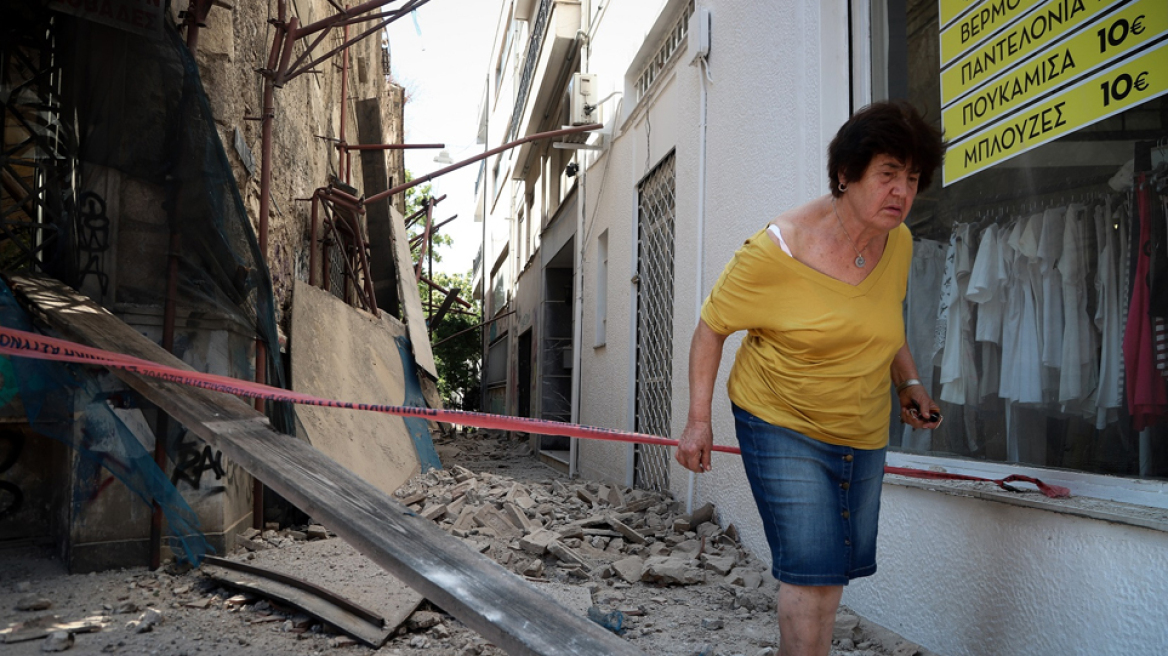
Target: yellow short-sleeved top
x,y
817,353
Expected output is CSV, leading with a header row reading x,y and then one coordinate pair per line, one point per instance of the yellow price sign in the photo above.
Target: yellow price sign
x,y
1114,90
950,9
1117,34
979,24
1052,20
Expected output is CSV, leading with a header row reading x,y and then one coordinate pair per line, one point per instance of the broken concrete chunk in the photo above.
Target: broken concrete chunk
x,y
250,533
251,545
148,620
465,520
659,549
669,570
411,499
681,525
702,515
744,577
630,569
571,531
489,517
567,555
317,532
720,564
755,600
58,641
846,626
533,569
433,512
516,516
537,542
461,473
627,532
708,530
423,619
586,497
34,603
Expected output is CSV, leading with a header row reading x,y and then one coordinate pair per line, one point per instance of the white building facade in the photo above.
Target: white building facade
x,y
598,253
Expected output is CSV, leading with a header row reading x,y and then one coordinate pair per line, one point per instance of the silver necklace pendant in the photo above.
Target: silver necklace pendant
x,y
860,261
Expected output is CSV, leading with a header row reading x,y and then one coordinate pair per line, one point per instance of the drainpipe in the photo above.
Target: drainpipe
x,y
578,278
701,234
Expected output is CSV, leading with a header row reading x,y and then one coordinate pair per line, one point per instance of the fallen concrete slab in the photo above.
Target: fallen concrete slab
x,y
338,351
503,608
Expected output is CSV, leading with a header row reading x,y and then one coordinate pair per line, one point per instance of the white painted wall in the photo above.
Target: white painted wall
x,y
968,577
957,575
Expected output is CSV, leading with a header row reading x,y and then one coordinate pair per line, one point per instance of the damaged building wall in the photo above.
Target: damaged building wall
x,y
124,222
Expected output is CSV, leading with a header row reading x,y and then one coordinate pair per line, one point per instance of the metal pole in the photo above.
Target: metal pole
x,y
457,165
343,160
195,15
279,41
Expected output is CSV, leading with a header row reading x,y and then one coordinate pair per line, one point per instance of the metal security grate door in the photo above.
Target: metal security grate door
x,y
655,322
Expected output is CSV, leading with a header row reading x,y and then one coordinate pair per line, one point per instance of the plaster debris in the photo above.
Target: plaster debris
x,y
616,548
58,641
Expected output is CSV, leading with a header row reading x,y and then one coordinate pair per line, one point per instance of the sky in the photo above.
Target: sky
x,y
442,60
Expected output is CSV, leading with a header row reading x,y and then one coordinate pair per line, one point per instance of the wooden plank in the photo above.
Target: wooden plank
x,y
503,608
369,630
407,284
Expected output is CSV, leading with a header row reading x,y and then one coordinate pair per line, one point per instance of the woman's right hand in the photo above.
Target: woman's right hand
x,y
695,446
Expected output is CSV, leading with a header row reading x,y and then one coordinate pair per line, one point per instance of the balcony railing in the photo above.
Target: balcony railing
x,y
531,58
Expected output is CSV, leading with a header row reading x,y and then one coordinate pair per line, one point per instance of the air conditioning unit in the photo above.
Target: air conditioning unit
x,y
582,93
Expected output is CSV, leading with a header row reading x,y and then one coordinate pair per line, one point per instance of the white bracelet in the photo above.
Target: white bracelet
x,y
907,384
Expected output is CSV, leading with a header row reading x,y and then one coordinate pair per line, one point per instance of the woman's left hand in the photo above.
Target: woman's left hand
x,y
917,409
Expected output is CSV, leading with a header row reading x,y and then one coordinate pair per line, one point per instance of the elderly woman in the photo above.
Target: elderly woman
x,y
819,292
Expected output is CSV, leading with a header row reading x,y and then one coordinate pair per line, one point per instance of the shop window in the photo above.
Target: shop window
x,y
1037,308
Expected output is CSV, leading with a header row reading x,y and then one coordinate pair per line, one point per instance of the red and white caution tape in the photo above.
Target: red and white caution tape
x,y
30,345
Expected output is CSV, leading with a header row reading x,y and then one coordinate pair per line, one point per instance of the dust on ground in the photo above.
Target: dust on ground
x,y
672,584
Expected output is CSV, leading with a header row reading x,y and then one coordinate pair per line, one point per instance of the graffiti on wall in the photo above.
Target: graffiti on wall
x,y
194,459
93,239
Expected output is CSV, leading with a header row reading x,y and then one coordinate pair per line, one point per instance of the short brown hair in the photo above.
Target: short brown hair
x,y
888,127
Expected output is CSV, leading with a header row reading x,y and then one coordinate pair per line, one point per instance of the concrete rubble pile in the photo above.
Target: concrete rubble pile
x,y
581,530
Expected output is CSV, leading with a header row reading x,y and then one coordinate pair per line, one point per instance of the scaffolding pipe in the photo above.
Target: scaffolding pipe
x,y
425,240
443,290
312,239
343,160
193,19
481,156
388,146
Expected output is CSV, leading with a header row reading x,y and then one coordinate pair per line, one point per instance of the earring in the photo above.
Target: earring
x,y
842,187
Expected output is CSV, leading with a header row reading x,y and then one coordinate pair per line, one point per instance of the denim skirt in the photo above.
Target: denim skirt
x,y
819,502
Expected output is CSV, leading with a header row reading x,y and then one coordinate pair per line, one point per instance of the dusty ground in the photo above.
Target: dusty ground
x,y
718,614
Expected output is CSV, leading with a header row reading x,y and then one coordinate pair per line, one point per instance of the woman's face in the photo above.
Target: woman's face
x,y
883,196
